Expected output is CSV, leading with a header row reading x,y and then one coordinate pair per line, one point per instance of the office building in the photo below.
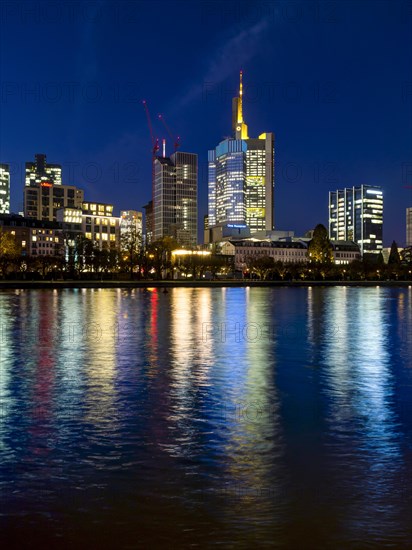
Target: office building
x,y
39,171
148,223
241,176
4,189
44,193
356,214
409,226
175,198
99,224
42,200
95,221
34,237
131,226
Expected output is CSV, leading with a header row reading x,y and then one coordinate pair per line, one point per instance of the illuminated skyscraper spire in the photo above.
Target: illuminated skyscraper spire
x,y
241,179
240,128
240,102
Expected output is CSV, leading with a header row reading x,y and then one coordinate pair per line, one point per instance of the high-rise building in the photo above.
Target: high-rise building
x,y
148,223
44,193
39,171
241,176
409,226
356,214
175,198
4,189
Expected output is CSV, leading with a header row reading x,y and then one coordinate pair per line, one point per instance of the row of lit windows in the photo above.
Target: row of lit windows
x,y
101,236
42,231
47,239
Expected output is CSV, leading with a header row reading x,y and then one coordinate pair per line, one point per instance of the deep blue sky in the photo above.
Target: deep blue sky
x,y
332,80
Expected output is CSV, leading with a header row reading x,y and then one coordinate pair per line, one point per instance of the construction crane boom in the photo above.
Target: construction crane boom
x,y
175,139
155,148
155,141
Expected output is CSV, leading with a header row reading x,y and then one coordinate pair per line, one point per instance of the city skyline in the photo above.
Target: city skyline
x,y
341,112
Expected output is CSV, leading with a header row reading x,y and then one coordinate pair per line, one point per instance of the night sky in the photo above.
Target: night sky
x,y
332,80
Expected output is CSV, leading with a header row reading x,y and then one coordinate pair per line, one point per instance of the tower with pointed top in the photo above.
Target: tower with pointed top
x,y
241,177
239,126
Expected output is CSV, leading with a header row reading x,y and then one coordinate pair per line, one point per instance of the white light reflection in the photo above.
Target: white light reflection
x,y
6,357
359,388
99,313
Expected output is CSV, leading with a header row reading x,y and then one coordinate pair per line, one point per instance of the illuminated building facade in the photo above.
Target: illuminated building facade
x,y
4,189
34,237
131,223
241,176
71,223
356,214
44,193
99,224
175,198
39,171
409,226
148,222
42,200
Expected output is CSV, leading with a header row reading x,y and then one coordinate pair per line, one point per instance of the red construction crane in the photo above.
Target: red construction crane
x,y
175,139
155,146
155,141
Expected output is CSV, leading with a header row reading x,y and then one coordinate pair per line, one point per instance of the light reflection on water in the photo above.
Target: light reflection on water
x,y
210,416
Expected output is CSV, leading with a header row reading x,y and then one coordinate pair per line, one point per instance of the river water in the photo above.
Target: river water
x,y
203,417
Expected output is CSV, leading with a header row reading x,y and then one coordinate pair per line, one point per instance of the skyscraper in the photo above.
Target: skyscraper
x,y
39,171
4,189
148,223
241,176
175,198
409,226
356,214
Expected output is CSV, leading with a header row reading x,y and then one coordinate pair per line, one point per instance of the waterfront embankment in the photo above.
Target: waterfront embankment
x,y
189,284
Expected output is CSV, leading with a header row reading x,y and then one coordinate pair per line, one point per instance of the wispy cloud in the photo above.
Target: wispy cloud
x,y
232,54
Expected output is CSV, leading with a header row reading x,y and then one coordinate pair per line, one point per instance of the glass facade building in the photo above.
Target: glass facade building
x,y
356,214
241,176
4,189
175,198
227,182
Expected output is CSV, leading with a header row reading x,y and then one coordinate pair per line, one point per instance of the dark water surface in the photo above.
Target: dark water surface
x,y
237,418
